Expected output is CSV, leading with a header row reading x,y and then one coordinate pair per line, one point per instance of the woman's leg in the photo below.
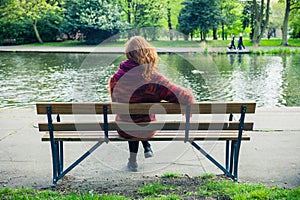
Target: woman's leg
x,y
146,145
133,149
147,149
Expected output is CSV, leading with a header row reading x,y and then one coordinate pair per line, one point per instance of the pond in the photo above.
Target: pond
x,y
26,78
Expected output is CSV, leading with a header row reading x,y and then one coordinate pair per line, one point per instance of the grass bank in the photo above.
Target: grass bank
x,y
178,43
280,50
208,186
271,46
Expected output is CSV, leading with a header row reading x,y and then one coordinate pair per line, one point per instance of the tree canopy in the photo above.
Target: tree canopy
x,y
30,11
96,19
47,20
199,14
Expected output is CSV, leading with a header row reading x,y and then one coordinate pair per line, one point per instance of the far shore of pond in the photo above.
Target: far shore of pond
x,y
120,49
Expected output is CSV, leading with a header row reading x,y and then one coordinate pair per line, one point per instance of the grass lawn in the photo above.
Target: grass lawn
x,y
178,43
208,187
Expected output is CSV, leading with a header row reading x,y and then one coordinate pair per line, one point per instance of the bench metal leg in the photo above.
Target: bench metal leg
x,y
54,146
232,149
85,155
235,167
234,157
216,163
58,154
230,153
236,160
57,157
231,162
61,156
61,150
237,144
228,149
227,154
55,162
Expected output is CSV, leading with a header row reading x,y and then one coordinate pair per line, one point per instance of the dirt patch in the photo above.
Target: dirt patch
x,y
185,187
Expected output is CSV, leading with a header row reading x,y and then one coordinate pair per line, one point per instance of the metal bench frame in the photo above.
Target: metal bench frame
x,y
231,153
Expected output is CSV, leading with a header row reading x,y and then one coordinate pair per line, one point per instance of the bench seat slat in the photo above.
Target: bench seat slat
x,y
69,126
144,108
160,136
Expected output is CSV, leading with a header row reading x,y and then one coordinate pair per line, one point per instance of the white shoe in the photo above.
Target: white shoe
x,y
132,166
148,154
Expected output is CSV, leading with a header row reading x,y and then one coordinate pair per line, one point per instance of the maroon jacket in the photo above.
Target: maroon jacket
x,y
127,85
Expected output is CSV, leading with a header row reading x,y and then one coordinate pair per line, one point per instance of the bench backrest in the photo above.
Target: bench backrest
x,y
144,108
109,108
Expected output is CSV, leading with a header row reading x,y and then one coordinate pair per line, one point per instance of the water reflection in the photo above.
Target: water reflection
x,y
269,80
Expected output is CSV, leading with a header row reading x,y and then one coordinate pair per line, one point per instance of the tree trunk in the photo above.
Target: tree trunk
x,y
186,37
215,37
261,13
129,11
170,21
36,32
257,24
285,24
154,38
260,23
144,33
266,22
223,32
204,35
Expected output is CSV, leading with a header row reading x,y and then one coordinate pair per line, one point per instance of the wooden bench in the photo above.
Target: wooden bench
x,y
104,129
9,41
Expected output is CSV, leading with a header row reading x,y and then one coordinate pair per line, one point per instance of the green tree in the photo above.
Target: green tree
x,y
71,21
146,13
231,12
276,18
200,14
173,10
248,17
295,23
186,23
169,16
31,11
96,19
290,5
143,13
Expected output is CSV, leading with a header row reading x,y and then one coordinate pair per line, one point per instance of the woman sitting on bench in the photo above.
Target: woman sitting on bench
x,y
137,81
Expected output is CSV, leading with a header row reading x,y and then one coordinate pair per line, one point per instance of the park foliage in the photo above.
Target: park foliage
x,y
29,21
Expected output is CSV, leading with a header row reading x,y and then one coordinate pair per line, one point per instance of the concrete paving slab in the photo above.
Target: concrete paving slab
x,y
276,118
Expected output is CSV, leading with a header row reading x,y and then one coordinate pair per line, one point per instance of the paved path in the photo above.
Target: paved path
x,y
271,157
97,49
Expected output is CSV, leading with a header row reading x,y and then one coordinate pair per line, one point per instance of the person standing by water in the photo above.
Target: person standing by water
x,y
240,42
137,81
232,45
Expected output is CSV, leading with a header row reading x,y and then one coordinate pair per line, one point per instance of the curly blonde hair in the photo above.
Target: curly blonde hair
x,y
143,53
